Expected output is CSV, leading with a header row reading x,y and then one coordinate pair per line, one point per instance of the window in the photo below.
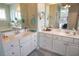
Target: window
x,y
2,14
63,17
18,15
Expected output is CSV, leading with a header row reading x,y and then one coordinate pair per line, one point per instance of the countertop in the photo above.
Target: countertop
x,y
8,36
62,32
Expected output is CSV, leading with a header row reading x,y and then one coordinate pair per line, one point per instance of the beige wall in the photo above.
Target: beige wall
x,y
73,16
53,15
32,12
24,11
28,11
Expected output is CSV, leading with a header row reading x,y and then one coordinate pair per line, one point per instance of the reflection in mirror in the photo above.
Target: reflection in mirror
x,y
15,15
10,16
64,15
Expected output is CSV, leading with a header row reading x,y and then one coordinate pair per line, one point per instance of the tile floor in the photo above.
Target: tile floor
x,y
42,52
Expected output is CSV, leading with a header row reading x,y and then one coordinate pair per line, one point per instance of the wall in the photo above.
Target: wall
x,y
24,11
73,16
28,12
36,11
32,15
5,25
53,15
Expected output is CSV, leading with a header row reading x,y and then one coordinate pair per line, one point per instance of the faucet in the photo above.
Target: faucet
x,y
16,30
74,31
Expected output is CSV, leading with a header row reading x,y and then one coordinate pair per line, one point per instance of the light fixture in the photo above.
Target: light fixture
x,y
67,6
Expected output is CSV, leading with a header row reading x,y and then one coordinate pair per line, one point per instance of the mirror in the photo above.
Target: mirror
x,y
64,15
61,15
10,16
19,15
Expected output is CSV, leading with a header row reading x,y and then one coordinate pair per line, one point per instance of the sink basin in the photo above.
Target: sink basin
x,y
67,32
70,33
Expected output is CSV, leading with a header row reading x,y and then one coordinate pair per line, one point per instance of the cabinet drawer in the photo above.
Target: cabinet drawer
x,y
11,44
63,38
27,38
45,35
13,52
72,50
59,46
67,39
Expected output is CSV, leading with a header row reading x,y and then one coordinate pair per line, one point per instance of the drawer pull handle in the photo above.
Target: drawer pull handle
x,y
35,40
13,53
65,43
21,46
11,45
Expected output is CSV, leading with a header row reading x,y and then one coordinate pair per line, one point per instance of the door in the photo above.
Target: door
x,y
59,46
72,50
45,41
25,49
28,46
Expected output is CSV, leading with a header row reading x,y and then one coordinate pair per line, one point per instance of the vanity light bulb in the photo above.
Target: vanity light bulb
x,y
67,6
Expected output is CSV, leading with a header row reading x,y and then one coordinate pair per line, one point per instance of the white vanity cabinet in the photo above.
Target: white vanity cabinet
x,y
34,40
10,45
59,45
62,45
28,44
15,51
72,50
11,48
25,48
45,41
66,46
18,45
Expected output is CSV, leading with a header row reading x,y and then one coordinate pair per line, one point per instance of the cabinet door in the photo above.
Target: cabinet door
x,y
45,42
34,40
11,44
24,49
27,47
13,52
72,50
58,46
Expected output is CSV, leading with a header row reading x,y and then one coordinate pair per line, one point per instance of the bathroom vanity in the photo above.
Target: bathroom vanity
x,y
17,44
60,41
